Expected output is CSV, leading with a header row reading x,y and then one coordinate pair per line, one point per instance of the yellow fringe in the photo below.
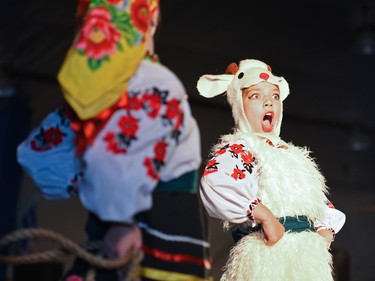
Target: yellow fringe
x,y
162,275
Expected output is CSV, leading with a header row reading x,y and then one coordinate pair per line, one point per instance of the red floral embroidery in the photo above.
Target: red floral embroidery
x,y
99,37
252,206
113,144
173,109
87,130
73,188
238,173
236,148
151,171
53,136
128,125
329,204
153,165
160,150
179,121
34,146
247,157
47,139
134,103
221,151
211,167
152,104
140,14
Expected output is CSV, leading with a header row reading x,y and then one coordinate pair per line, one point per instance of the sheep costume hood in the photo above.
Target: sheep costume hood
x,y
250,72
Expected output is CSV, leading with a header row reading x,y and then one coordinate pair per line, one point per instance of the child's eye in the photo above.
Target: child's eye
x,y
276,96
254,96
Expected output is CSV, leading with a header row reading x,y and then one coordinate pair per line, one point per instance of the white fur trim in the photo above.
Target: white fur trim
x,y
297,256
290,182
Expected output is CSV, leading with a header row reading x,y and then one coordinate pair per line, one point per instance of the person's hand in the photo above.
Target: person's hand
x,y
272,228
327,235
121,239
273,231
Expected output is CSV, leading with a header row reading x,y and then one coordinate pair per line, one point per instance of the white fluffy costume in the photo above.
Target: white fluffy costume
x,y
248,168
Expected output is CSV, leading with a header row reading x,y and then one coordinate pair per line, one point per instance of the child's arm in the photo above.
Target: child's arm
x,y
48,156
230,183
272,228
331,223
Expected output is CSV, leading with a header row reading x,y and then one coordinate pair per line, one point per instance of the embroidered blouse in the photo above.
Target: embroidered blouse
x,y
239,176
149,138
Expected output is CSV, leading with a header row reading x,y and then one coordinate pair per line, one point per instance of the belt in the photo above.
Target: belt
x,y
291,224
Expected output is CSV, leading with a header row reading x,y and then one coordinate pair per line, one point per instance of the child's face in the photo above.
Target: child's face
x,y
262,107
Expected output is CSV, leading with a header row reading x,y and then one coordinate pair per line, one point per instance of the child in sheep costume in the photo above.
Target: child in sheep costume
x,y
271,194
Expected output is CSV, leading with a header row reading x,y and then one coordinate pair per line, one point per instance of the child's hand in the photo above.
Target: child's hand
x,y
272,228
122,238
273,231
327,235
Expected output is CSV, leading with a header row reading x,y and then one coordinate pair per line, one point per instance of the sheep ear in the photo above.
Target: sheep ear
x,y
232,68
212,85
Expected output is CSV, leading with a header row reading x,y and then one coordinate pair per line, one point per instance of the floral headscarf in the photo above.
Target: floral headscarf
x,y
108,48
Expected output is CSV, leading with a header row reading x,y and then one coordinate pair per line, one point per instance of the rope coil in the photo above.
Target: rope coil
x,y
66,246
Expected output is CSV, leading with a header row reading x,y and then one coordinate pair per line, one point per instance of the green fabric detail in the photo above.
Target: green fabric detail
x,y
292,224
186,183
297,224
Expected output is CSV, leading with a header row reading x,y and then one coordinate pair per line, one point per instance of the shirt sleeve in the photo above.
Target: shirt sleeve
x,y
229,184
333,218
48,156
137,147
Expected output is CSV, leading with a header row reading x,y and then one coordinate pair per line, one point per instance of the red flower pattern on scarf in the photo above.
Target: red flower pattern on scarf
x,y
99,37
82,6
140,14
114,2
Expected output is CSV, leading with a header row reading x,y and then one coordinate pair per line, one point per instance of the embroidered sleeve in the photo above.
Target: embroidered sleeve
x,y
333,219
252,206
48,157
229,184
154,138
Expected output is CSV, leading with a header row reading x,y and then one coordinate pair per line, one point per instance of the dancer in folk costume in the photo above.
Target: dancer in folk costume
x,y
270,194
132,161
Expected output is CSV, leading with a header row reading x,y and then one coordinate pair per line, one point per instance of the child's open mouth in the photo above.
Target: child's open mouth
x,y
267,125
